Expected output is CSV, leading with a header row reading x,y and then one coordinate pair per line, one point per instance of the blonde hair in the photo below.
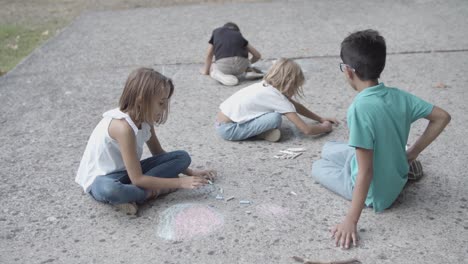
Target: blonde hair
x,y
286,76
138,96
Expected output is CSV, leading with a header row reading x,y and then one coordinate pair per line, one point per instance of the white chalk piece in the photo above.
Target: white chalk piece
x,y
230,198
296,149
244,202
248,212
287,152
293,193
296,155
210,182
221,190
219,197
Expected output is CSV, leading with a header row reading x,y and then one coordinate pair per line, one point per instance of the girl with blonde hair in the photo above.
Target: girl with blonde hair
x,y
257,110
111,170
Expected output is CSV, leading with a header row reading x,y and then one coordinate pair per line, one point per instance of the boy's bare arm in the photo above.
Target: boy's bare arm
x,y
346,232
208,60
302,110
438,120
255,54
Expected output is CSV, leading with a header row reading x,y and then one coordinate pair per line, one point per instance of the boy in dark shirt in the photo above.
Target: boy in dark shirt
x,y
231,51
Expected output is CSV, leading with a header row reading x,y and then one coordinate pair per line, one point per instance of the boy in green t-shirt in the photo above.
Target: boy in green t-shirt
x,y
373,167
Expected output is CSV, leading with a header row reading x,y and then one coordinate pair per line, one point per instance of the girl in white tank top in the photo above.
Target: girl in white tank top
x,y
111,170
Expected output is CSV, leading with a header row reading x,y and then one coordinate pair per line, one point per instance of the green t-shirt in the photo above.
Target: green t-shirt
x,y
380,118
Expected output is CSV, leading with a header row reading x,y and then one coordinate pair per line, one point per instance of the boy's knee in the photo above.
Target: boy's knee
x,y
316,170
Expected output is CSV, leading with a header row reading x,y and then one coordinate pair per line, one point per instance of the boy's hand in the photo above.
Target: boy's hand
x,y
206,174
411,155
204,71
345,233
329,119
192,182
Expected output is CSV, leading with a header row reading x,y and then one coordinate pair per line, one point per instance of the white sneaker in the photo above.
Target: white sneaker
x,y
225,79
272,135
253,75
127,208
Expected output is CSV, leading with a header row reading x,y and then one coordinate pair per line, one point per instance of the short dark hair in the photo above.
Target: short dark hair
x,y
365,51
232,26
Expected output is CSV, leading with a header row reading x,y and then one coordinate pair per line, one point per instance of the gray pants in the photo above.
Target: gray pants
x,y
232,65
228,70
333,171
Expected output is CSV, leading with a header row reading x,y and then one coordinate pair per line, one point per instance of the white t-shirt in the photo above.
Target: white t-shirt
x,y
254,101
102,154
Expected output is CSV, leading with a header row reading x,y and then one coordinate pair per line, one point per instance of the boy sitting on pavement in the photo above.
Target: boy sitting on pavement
x,y
373,167
231,51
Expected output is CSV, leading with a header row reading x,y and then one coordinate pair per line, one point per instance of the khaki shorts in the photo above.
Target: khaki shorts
x,y
232,65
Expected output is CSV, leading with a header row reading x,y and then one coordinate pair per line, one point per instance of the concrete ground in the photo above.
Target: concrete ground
x,y
51,102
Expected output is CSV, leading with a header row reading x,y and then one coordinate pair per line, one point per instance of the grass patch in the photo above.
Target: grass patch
x,y
16,42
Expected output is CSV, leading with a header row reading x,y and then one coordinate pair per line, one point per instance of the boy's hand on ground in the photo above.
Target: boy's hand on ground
x,y
204,72
192,182
330,119
345,233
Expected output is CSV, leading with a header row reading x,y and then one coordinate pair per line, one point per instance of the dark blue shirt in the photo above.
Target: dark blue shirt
x,y
228,43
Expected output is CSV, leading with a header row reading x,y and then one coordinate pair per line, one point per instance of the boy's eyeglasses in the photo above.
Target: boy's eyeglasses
x,y
343,66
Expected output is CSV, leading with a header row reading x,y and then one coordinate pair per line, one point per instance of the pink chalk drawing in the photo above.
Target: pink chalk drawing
x,y
187,221
272,210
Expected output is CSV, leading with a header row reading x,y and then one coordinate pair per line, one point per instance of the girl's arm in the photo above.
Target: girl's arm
x,y
121,131
155,148
302,110
346,232
208,60
153,144
308,129
255,54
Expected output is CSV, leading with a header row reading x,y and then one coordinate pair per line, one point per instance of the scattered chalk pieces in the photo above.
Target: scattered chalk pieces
x,y
244,202
290,153
230,198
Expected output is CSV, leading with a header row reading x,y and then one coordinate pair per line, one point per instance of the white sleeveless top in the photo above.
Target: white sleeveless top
x,y
102,154
255,100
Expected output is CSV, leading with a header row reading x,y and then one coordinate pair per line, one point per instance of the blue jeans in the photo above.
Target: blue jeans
x,y
116,187
254,127
333,171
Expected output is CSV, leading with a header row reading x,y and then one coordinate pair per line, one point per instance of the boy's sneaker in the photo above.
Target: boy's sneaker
x,y
272,135
223,78
253,75
127,208
415,171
